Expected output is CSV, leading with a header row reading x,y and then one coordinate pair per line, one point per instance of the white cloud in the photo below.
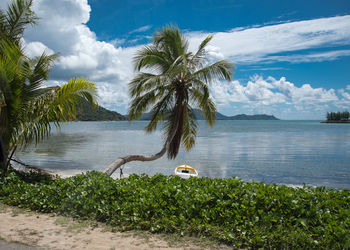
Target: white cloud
x,y
279,97
117,42
141,29
252,45
314,57
34,49
345,94
62,28
305,93
344,102
261,92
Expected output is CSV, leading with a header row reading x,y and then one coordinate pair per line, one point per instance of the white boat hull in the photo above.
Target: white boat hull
x,y
185,171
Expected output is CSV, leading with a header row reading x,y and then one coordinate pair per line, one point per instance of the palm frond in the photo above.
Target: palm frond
x,y
201,97
200,54
144,82
221,69
142,103
53,106
18,16
177,78
71,93
170,40
159,112
39,72
190,130
150,57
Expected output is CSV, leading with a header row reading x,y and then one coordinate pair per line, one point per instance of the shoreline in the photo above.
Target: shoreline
x,y
335,121
71,173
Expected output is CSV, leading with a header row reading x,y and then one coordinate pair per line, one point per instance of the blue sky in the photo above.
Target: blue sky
x,y
292,57
124,17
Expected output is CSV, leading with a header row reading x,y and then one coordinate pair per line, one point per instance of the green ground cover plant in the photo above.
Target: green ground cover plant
x,y
242,214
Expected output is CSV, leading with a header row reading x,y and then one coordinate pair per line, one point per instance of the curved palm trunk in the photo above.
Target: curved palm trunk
x,y
111,168
122,160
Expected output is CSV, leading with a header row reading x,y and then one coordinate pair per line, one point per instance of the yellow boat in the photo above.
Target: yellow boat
x,y
185,171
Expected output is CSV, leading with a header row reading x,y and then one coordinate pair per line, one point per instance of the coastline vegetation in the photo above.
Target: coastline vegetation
x,y
230,211
338,116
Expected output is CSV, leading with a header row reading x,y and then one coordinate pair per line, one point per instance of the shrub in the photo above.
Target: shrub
x,y
242,214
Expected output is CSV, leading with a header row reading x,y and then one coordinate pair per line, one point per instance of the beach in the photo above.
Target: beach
x,y
50,231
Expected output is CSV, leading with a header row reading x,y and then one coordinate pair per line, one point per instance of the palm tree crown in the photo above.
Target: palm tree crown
x,y
176,82
27,108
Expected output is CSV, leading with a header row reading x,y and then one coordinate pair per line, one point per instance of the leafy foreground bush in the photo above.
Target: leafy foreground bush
x,y
228,210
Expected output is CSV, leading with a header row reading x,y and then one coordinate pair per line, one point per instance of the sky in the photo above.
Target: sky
x,y
292,57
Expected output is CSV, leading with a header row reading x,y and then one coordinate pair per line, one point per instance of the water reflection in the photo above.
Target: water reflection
x,y
58,144
270,151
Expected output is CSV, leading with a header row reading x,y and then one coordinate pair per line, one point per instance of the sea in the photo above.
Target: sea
x,y
294,153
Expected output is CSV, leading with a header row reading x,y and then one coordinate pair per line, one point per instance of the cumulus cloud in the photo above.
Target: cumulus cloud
x,y
344,102
34,49
62,28
259,91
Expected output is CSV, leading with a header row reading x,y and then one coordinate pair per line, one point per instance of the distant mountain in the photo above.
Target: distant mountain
x,y
87,113
219,116
253,117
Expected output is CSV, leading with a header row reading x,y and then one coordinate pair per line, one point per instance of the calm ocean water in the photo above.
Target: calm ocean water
x,y
288,152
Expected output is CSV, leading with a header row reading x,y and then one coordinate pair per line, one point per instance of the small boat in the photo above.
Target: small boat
x,y
185,171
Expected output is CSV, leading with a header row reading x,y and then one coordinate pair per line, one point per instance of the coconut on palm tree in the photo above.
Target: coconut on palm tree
x,y
27,108
174,82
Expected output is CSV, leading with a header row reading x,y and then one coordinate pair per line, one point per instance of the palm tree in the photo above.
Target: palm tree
x,y
27,109
15,19
176,82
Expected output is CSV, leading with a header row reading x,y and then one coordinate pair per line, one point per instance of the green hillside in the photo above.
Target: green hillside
x,y
87,113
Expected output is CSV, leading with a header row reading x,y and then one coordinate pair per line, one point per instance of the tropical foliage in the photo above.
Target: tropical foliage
x,y
27,108
15,19
244,215
176,82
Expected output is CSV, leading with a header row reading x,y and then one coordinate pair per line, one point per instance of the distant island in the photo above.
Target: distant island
x,y
220,116
337,117
87,113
